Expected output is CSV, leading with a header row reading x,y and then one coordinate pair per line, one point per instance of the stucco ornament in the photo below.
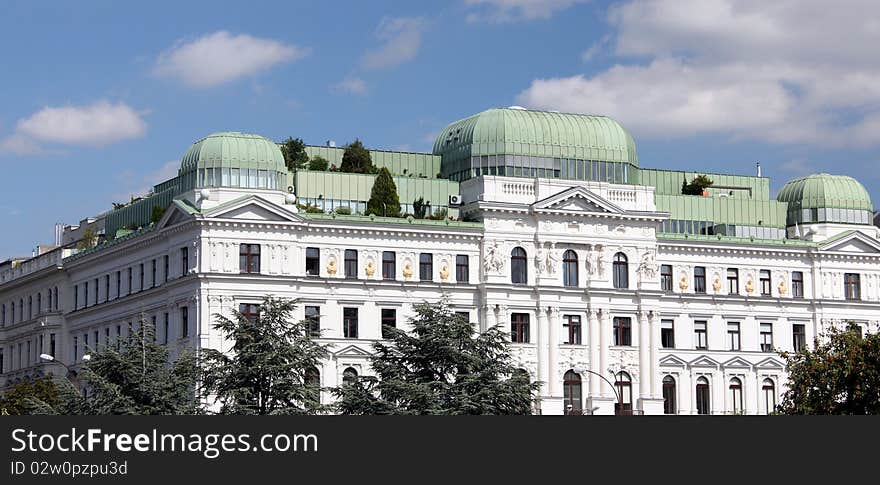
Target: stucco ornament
x,y
331,266
444,272
540,259
592,260
783,288
552,259
683,284
716,284
648,265
370,268
750,286
407,270
494,257
601,263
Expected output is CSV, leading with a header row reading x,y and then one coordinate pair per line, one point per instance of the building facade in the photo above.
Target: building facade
x,y
621,293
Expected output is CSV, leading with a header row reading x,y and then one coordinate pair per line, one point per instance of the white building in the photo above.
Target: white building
x,y
620,292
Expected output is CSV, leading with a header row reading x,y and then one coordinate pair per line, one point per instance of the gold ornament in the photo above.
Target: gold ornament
x,y
444,273
407,271
783,288
716,285
370,269
683,283
331,267
750,287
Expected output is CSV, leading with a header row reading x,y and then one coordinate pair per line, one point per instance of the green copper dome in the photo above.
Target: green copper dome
x,y
233,150
826,198
530,139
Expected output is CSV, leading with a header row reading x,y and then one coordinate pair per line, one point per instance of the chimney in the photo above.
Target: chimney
x,y
331,143
758,164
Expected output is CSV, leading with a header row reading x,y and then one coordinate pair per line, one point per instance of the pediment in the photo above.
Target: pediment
x,y
770,363
737,363
576,199
253,209
672,361
704,361
179,211
352,351
855,242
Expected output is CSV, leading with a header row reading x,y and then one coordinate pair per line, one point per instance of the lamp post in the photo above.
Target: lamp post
x,y
70,372
613,387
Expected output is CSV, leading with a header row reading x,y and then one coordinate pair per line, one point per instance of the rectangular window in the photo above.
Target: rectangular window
x,y
141,276
667,334
351,263
313,262
766,337
426,267
106,288
153,274
166,326
799,336
519,328
130,280
622,331
462,268
184,261
184,322
389,319
733,335
249,258
313,316
700,340
75,348
699,279
852,287
52,344
350,322
250,311
572,327
85,295
152,322
165,267
764,277
118,284
797,284
666,277
389,269
733,281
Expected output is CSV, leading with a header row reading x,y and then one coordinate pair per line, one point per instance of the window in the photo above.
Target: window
x,y
85,296
130,280
166,325
736,395
55,297
622,331
518,267
571,390
733,281
31,306
733,335
52,344
764,278
106,288
426,267
797,284
621,271
153,274
349,376
667,334
350,322
184,262
250,311
164,267
249,258
313,316
702,395
519,327
75,348
312,378
313,262
118,284
184,322
768,388
572,325
389,319
39,303
351,263
700,334
699,279
462,268
141,276
466,316
766,337
623,383
389,265
851,286
3,315
799,336
669,396
666,277
570,268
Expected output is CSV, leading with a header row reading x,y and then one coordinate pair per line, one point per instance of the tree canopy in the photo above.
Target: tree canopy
x,y
318,163
384,200
442,366
356,158
20,398
840,376
697,185
294,151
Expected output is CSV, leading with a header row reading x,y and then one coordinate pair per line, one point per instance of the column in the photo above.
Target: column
x,y
595,344
542,350
491,318
553,350
604,343
644,354
656,381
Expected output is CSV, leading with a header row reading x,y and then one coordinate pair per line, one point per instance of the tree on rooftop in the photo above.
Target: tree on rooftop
x,y
384,200
318,163
294,151
156,214
356,158
420,209
441,366
697,185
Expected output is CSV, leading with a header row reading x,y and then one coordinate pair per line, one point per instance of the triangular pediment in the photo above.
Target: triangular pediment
x,y
178,211
252,209
737,363
704,361
672,361
351,351
576,199
852,242
770,363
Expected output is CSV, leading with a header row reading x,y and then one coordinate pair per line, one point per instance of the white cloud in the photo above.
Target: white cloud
x,y
781,71
502,11
97,124
136,186
221,57
350,85
402,38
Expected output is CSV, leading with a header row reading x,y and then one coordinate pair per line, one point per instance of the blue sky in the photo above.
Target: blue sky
x,y
100,100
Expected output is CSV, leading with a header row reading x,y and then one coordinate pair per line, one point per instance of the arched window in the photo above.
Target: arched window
x,y
736,395
623,383
769,390
570,268
39,303
702,395
621,271
313,377
518,267
669,395
349,376
571,391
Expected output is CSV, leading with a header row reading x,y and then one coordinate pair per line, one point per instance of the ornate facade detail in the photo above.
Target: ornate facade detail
x,y
683,282
716,283
648,265
331,266
494,257
625,360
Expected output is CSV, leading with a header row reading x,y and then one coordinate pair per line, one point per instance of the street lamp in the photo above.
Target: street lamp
x,y
613,387
70,372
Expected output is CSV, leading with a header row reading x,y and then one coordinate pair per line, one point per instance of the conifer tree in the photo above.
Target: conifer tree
x,y
356,158
384,200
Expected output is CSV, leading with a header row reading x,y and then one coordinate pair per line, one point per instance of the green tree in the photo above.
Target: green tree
x,y
384,200
318,163
356,158
419,208
89,239
697,185
294,151
840,376
131,376
20,398
442,366
157,213
267,369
